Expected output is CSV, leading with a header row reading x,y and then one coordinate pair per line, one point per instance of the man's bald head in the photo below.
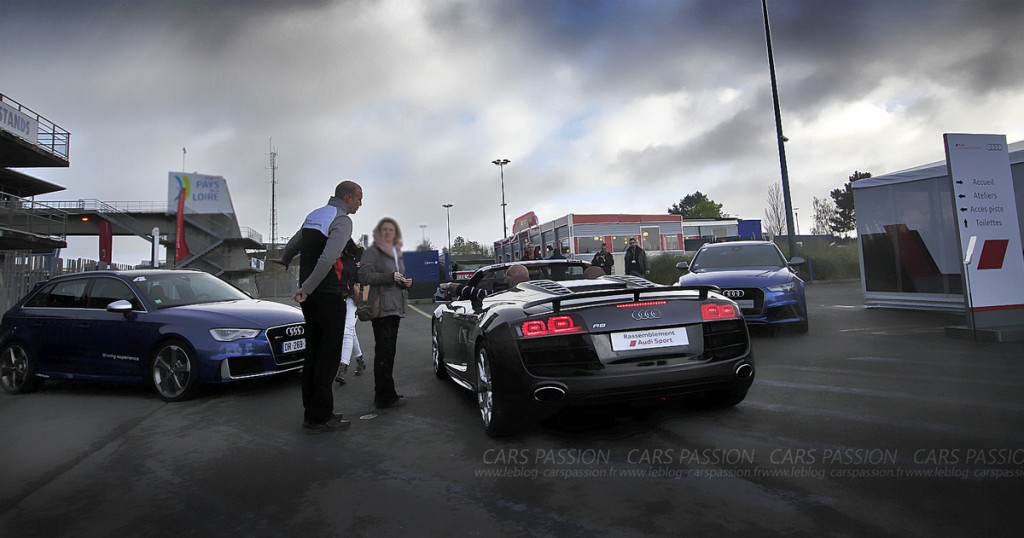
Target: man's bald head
x,y
517,271
516,274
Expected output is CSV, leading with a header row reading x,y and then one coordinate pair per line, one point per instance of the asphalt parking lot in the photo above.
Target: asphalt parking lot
x,y
873,424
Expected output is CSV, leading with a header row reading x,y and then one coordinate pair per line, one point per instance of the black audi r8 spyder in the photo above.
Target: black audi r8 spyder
x,y
533,348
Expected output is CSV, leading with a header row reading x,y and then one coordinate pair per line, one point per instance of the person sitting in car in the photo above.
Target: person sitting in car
x,y
514,275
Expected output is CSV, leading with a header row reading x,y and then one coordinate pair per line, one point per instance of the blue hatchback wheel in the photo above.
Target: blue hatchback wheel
x,y
17,370
173,372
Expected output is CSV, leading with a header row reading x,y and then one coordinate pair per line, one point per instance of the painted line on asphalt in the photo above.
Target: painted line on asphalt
x,y
908,425
862,373
974,365
889,394
888,328
424,314
904,332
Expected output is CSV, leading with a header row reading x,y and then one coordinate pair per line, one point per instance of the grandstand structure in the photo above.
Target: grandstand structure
x,y
33,232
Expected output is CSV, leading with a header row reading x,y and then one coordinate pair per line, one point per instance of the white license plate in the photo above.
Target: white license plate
x,y
293,345
745,303
649,338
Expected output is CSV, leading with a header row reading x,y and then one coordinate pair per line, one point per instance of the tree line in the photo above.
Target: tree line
x,y
835,216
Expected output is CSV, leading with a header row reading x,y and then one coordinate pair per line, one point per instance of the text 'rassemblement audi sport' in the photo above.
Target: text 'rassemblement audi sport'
x,y
560,340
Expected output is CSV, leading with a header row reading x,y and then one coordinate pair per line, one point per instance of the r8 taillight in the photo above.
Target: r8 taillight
x,y
550,326
714,311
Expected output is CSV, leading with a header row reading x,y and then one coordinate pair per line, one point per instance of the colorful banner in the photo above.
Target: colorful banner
x,y
106,241
180,247
202,193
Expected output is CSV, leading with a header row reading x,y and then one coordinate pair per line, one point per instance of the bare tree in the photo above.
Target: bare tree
x,y
824,213
775,214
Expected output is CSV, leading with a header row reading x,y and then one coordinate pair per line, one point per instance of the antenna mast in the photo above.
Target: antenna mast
x,y
273,195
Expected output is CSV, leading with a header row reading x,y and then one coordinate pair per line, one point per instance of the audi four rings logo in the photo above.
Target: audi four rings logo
x,y
733,293
994,147
642,315
294,331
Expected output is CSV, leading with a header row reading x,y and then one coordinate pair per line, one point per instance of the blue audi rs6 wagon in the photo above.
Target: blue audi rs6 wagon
x,y
171,329
757,276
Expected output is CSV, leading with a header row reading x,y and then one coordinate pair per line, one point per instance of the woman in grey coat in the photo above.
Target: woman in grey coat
x,y
383,270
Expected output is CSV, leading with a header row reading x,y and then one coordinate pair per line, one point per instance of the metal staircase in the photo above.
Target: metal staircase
x,y
114,215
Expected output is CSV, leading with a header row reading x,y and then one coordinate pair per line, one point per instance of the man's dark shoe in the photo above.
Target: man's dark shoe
x,y
333,424
397,402
307,423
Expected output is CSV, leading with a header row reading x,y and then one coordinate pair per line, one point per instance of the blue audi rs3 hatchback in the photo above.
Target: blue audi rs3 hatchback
x,y
757,276
171,329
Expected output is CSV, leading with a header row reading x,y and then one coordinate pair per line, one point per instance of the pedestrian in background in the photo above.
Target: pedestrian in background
x,y
350,259
636,260
604,259
383,269
527,253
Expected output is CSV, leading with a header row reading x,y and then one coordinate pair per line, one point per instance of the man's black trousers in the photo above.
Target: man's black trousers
x,y
325,329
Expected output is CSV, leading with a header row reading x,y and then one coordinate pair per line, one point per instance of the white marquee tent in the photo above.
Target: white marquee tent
x,y
907,235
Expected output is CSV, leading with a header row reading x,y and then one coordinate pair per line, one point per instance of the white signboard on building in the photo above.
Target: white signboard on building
x,y
986,211
19,123
203,193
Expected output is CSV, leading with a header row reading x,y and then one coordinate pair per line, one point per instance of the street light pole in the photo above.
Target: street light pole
x,y
504,221
448,212
778,133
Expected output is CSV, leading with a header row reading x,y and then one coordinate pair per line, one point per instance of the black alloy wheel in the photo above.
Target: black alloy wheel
x,y
17,370
173,371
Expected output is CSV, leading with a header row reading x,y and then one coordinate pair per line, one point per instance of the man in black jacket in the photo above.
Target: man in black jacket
x,y
321,295
604,259
636,260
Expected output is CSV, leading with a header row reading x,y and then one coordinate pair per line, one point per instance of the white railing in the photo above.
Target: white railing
x,y
33,217
249,233
49,137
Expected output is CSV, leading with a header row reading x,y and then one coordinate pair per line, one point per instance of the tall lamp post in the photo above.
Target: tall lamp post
x,y
504,222
778,133
448,214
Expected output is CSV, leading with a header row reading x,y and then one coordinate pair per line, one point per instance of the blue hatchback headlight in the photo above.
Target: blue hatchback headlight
x,y
230,335
780,288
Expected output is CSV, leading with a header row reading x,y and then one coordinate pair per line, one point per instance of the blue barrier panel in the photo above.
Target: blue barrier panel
x,y
423,267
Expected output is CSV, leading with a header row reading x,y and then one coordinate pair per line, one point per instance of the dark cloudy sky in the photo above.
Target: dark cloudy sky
x,y
602,106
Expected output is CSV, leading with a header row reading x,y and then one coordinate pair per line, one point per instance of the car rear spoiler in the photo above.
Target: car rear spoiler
x,y
637,293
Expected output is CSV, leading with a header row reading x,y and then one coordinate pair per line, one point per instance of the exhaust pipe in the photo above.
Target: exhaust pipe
x,y
549,394
744,370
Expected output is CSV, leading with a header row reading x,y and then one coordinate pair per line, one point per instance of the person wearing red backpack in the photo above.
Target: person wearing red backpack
x,y
350,345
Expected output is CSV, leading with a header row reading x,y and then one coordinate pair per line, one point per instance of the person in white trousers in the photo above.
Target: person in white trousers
x,y
350,345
